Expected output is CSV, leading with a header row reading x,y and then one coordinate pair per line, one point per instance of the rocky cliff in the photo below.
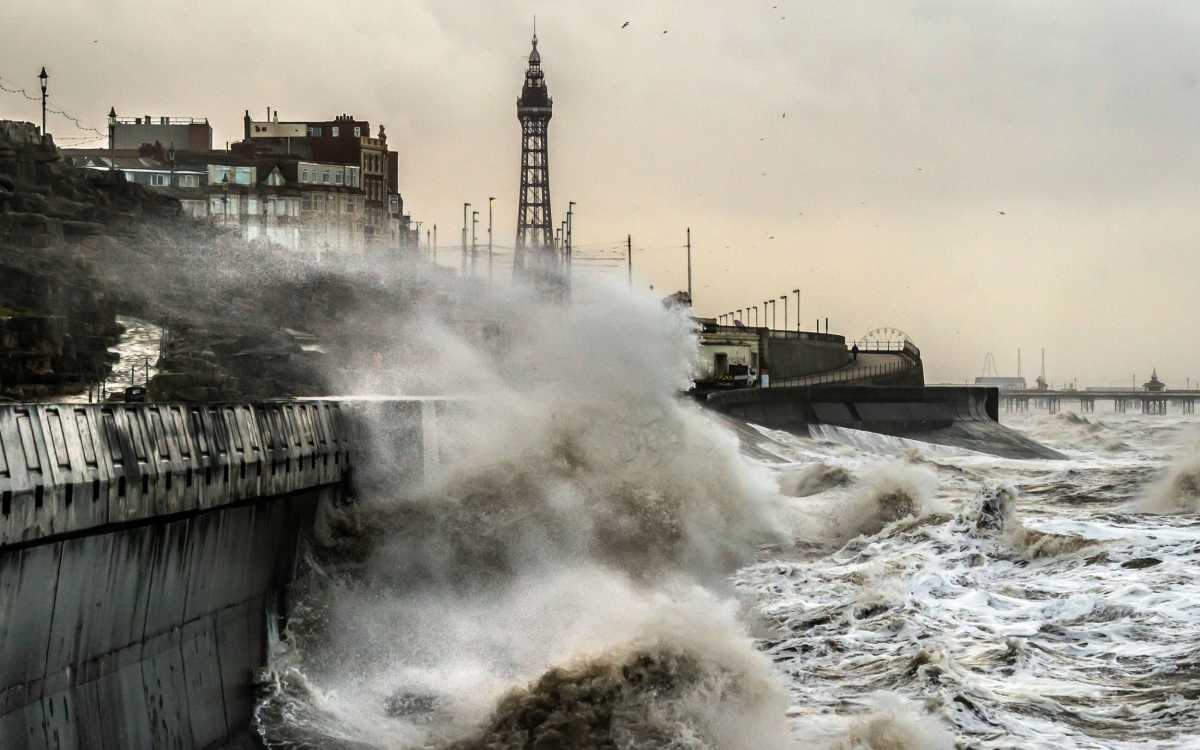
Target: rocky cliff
x,y
243,320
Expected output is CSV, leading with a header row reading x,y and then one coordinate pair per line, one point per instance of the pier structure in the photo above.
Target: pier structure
x,y
1123,401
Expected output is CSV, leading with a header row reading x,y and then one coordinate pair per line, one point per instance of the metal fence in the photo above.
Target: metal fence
x,y
848,374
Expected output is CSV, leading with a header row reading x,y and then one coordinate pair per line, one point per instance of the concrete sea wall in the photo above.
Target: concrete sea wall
x,y
146,549
963,417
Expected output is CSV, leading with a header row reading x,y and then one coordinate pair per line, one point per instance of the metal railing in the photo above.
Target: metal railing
x,y
833,338
849,373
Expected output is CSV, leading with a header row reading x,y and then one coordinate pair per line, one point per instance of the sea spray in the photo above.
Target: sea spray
x,y
888,492
1179,490
583,523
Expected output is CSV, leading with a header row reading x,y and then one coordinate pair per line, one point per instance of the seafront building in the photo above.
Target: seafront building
x,y
321,189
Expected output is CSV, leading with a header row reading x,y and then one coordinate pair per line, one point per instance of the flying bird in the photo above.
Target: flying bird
x,y
624,24
1003,213
664,31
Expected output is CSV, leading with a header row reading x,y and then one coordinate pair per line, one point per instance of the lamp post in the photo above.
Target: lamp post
x,y
570,230
466,208
474,238
739,315
171,162
491,199
112,138
756,316
784,298
43,77
797,293
225,199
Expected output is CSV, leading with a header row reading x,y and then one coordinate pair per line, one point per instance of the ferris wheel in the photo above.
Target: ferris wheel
x,y
886,335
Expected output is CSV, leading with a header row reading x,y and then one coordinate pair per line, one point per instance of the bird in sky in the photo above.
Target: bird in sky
x,y
664,31
624,24
1003,213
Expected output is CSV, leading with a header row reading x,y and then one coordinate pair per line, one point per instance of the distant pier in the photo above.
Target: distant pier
x,y
1147,402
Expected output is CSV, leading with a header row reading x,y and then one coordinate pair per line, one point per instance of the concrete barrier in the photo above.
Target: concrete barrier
x,y
143,548
959,416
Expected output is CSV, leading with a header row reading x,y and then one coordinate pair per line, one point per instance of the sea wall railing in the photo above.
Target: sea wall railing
x,y
848,374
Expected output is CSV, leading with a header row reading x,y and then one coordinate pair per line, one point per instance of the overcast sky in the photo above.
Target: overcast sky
x,y
983,175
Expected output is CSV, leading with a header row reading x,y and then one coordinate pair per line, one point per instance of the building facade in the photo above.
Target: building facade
x,y
182,133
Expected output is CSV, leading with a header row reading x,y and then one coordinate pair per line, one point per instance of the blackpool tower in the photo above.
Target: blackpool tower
x,y
535,234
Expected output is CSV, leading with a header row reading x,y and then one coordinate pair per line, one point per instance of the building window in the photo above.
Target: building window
x,y
334,131
325,176
337,177
357,132
189,180
314,132
160,180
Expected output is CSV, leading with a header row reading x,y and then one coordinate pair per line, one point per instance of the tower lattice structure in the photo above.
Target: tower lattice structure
x,y
535,225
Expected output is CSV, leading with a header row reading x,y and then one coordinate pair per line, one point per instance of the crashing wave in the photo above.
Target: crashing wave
x,y
813,479
889,492
1178,491
994,511
895,724
643,696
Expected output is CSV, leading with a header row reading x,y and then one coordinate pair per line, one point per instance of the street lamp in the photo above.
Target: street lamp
x,y
570,229
466,208
474,239
739,315
797,293
171,161
491,199
225,199
756,316
784,298
44,78
112,138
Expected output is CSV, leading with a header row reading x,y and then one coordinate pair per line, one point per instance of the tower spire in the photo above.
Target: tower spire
x,y
535,223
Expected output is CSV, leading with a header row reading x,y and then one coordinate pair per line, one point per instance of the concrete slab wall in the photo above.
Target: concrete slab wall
x,y
143,548
789,358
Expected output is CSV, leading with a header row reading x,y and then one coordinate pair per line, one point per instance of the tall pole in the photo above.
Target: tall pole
x,y
466,208
797,293
491,200
474,238
435,243
570,231
689,259
629,257
784,298
44,78
112,138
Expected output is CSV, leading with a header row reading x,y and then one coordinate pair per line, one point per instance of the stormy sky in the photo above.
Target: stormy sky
x,y
983,175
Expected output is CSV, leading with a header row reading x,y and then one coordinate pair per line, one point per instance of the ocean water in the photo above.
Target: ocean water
x,y
600,563
1032,604
918,596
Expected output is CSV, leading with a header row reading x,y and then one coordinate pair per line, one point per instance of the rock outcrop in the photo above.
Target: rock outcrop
x,y
242,319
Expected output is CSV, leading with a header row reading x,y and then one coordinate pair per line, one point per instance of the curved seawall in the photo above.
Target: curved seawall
x,y
963,417
145,552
